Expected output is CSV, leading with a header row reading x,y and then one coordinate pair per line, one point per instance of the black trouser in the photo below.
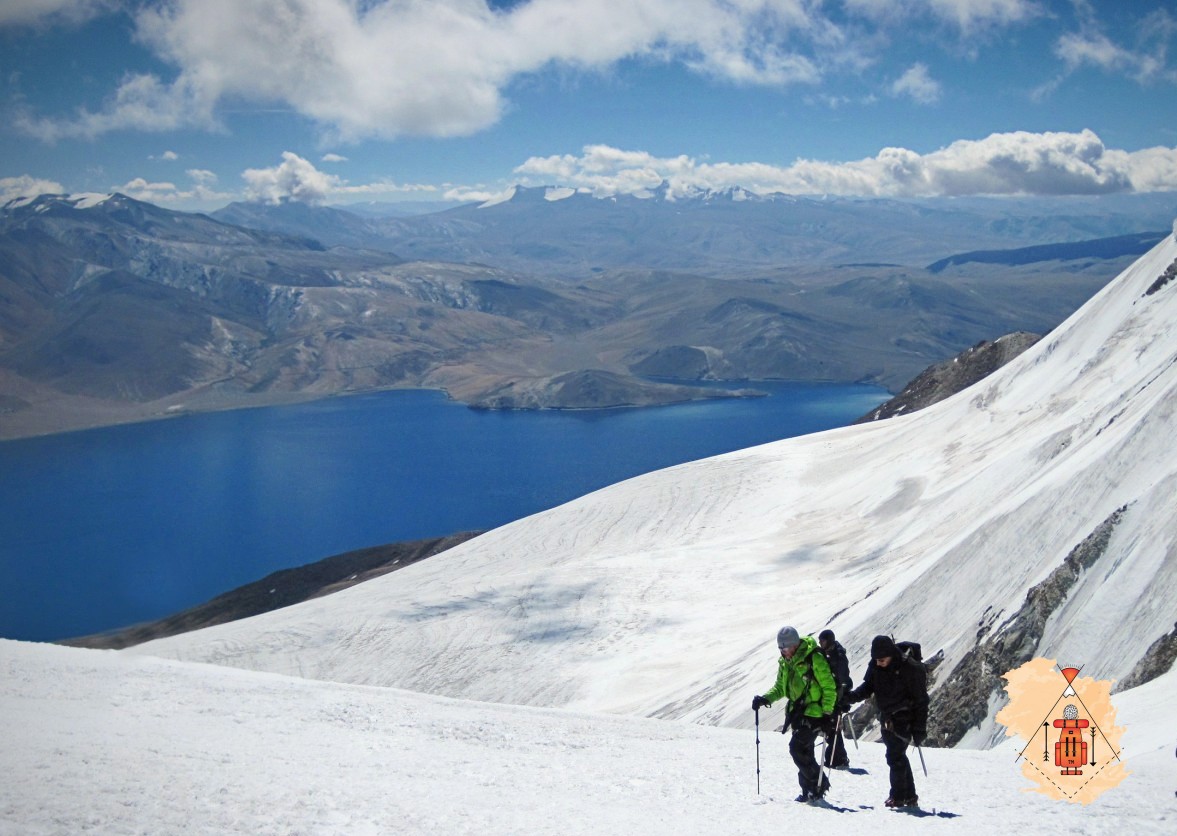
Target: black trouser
x,y
805,731
902,781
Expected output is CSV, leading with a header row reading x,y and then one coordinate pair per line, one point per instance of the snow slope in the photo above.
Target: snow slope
x,y
661,596
110,743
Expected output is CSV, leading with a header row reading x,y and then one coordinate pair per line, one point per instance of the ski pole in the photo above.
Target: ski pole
x,y
920,752
757,713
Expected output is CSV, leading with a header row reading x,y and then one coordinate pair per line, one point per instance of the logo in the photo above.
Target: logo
x,y
1072,749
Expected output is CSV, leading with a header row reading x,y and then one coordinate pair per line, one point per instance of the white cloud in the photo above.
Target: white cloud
x,y
202,176
1146,61
296,178
917,84
200,192
390,68
293,179
142,102
333,158
26,186
1002,164
25,12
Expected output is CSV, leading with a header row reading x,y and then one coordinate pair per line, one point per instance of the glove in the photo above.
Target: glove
x,y
759,702
918,736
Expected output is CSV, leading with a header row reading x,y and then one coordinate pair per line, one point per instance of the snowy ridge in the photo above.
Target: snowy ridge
x,y
82,200
660,596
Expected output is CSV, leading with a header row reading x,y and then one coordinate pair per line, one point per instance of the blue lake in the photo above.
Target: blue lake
x,y
104,528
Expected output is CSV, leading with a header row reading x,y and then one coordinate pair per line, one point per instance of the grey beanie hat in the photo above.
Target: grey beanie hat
x,y
788,637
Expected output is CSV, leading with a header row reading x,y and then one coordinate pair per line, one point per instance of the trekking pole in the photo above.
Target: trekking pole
x,y
757,713
827,749
920,752
850,729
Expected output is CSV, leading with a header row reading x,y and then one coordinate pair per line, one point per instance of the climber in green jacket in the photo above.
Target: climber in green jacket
x,y
804,678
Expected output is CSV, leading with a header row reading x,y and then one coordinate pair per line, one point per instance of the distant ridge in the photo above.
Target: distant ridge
x,y
1104,248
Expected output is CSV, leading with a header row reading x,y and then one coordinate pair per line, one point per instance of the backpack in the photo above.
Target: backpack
x,y
910,650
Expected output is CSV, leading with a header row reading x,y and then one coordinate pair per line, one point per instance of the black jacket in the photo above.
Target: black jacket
x,y
900,691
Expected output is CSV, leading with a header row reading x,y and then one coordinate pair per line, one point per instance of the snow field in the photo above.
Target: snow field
x,y
110,743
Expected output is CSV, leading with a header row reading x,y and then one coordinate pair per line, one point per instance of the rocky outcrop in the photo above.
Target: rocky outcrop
x,y
1157,661
280,589
963,700
945,379
1163,279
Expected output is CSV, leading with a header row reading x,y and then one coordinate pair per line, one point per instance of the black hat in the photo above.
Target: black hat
x,y
825,636
881,647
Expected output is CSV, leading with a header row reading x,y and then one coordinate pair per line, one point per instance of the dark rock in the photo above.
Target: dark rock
x,y
279,589
1162,280
945,379
962,701
1157,661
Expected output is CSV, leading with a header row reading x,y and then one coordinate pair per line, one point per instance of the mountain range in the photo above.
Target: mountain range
x,y
1027,516
590,668
113,310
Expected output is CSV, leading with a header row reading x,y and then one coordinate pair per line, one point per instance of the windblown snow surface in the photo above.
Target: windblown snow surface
x,y
108,743
590,669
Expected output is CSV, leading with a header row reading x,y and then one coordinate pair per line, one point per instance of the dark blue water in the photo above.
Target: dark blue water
x,y
104,528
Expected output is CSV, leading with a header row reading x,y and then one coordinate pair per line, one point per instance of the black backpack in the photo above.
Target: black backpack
x,y
910,650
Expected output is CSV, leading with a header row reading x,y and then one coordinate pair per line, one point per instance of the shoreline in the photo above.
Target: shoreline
x,y
47,418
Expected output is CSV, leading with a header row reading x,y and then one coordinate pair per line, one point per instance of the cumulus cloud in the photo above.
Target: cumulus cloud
x,y
27,186
25,12
293,179
917,84
297,179
391,68
1017,163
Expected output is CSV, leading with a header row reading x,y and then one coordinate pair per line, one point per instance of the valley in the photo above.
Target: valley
x,y
116,310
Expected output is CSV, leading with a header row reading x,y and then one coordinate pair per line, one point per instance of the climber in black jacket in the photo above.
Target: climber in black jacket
x,y
899,685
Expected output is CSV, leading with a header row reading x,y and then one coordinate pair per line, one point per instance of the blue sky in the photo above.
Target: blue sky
x,y
194,103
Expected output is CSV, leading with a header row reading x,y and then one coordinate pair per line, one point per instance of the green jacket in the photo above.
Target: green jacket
x,y
806,681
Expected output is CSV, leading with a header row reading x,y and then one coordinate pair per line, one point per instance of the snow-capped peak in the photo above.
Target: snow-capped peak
x,y
44,202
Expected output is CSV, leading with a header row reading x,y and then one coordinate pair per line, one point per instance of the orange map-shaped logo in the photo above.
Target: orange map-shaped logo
x,y
1072,750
